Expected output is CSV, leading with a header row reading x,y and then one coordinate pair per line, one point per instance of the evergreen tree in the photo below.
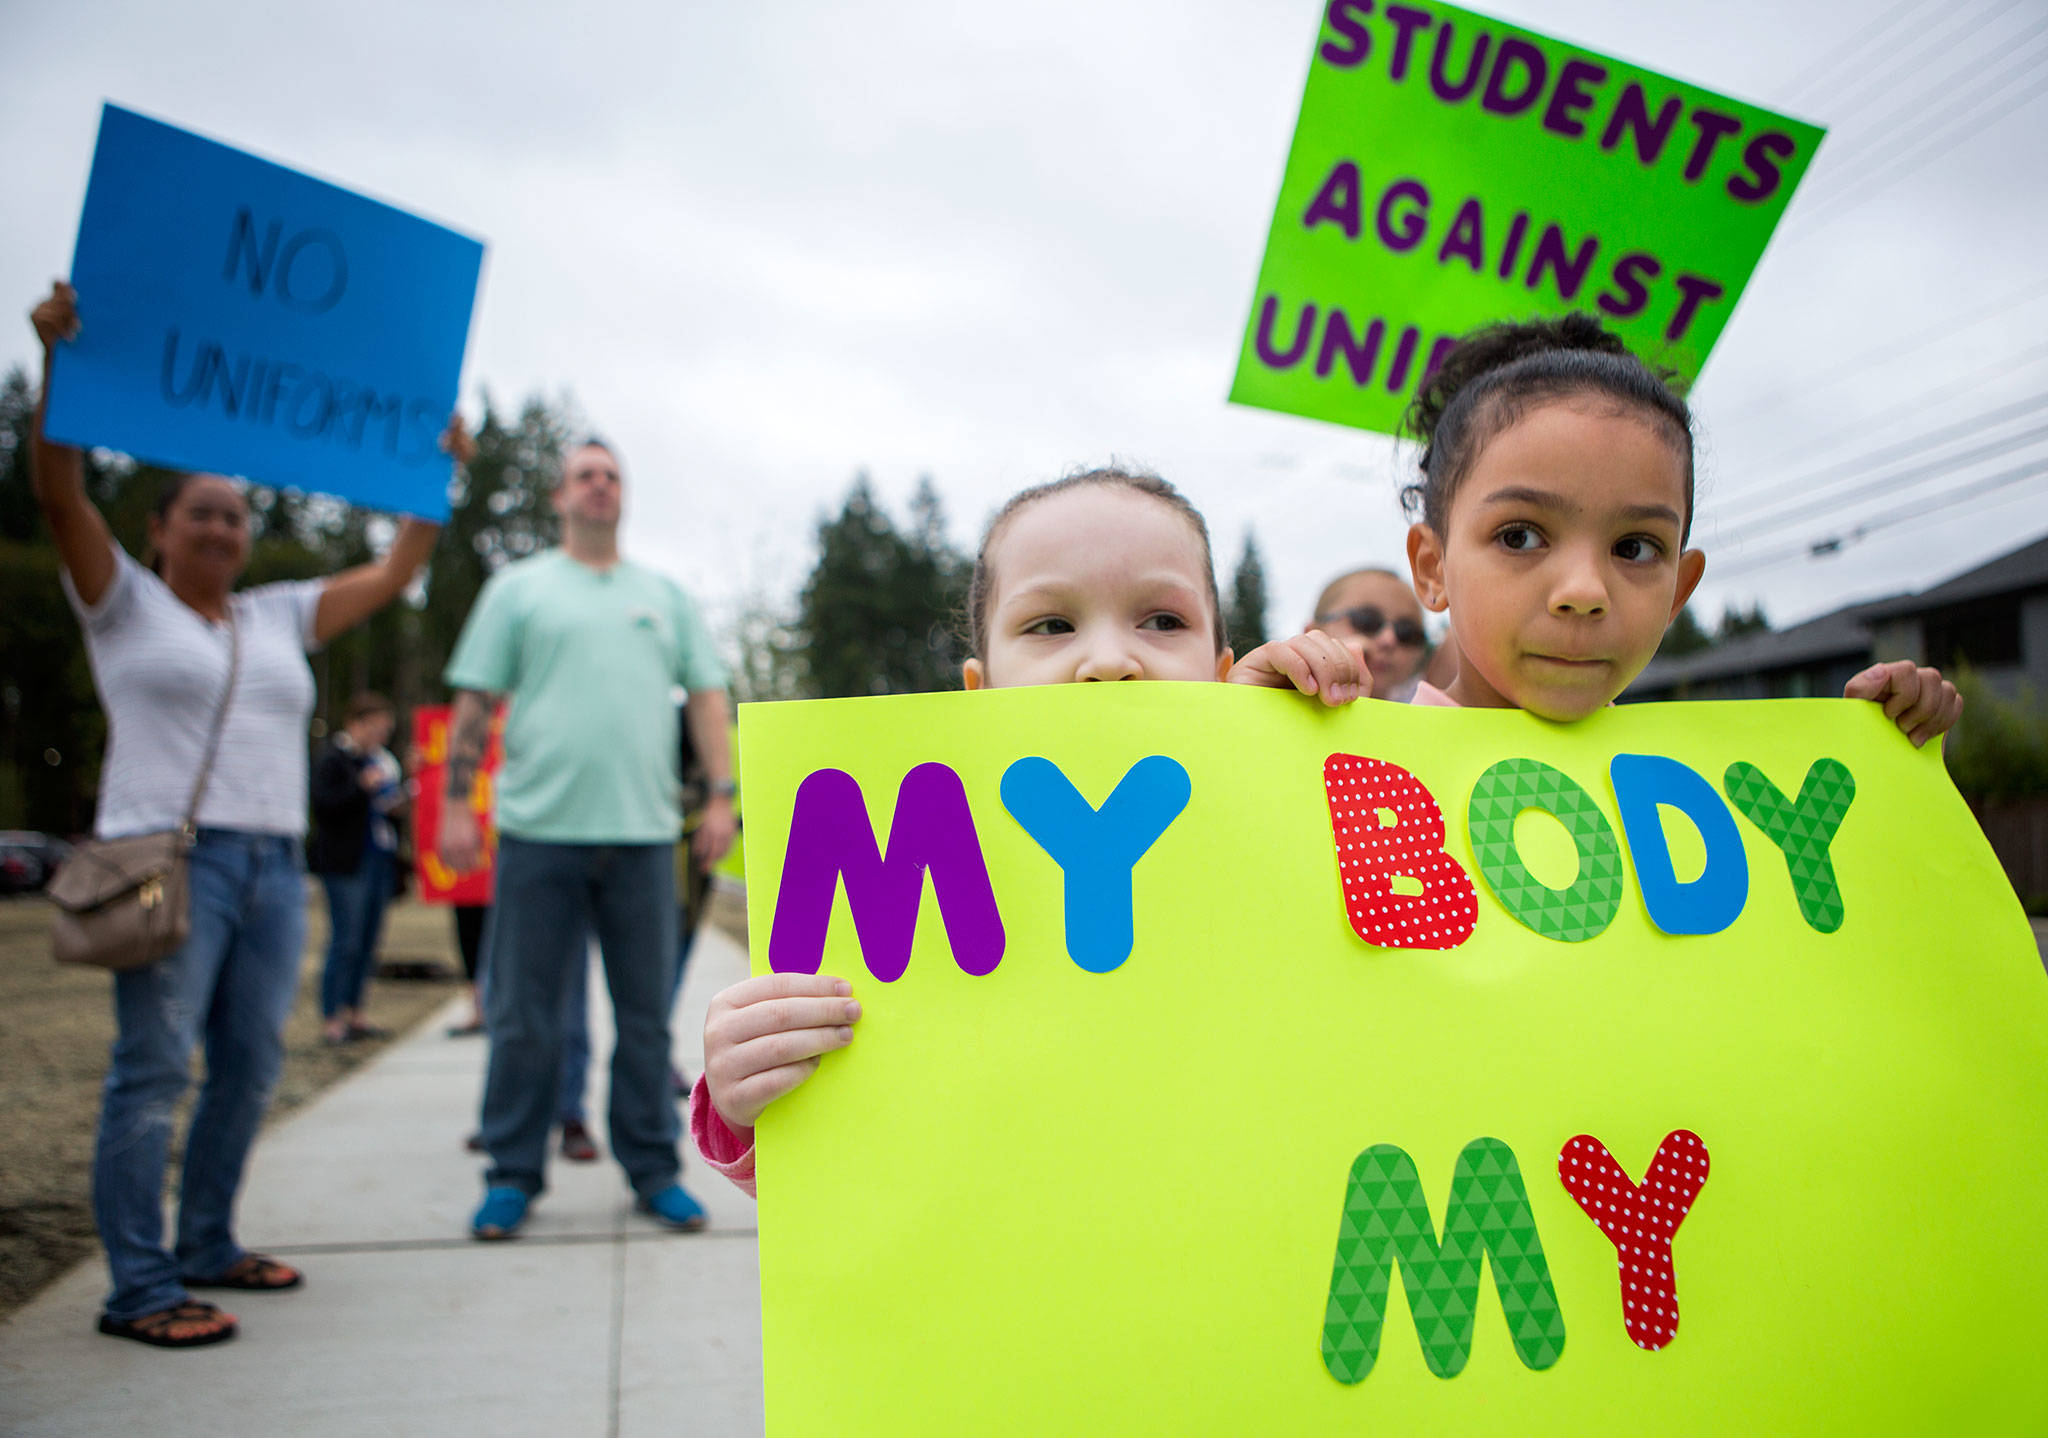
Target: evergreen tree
x,y
1244,611
876,614
500,509
1684,637
765,641
1735,623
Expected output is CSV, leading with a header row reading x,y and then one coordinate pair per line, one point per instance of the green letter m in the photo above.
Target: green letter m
x,y
1387,1218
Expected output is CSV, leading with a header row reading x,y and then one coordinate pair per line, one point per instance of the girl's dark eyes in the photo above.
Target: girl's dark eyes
x,y
1519,538
1050,625
1164,622
1638,549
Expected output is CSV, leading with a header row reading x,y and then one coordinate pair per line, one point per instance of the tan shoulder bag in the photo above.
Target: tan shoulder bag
x,y
124,903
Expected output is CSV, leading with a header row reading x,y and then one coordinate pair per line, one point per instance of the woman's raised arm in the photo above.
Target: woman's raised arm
x,y
355,594
56,472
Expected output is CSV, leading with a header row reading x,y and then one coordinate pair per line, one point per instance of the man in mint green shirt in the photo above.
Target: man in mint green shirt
x,y
590,649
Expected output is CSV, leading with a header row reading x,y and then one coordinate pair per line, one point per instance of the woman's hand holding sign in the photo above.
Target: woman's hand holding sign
x,y
84,543
355,594
764,1036
56,318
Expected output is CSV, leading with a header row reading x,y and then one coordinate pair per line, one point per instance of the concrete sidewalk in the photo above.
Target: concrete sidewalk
x,y
594,1322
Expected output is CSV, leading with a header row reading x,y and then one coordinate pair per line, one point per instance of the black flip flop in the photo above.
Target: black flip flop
x,y
251,1281
150,1327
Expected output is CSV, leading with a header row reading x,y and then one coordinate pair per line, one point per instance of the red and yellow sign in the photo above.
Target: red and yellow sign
x,y
438,884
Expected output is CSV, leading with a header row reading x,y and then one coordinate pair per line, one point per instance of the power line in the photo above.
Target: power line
x,y
1834,543
1876,138
1922,400
1885,484
1955,120
1976,126
1839,55
2001,307
1908,447
1924,49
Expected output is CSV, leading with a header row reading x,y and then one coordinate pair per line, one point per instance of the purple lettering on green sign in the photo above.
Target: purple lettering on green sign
x,y
1402,230
1337,201
1097,848
830,837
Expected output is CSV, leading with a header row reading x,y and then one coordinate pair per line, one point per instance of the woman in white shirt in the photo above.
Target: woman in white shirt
x,y
159,639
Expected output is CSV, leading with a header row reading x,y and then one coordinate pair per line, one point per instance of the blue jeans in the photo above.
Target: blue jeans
x,y
230,984
576,1021
549,897
355,919
575,1036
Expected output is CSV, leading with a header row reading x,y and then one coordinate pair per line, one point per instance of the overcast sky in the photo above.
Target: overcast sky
x,y
768,246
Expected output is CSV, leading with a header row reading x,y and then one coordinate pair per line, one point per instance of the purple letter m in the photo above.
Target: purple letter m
x,y
829,835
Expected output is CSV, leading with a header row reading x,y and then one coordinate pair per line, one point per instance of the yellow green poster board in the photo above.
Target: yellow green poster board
x,y
1450,169
1694,1077
734,864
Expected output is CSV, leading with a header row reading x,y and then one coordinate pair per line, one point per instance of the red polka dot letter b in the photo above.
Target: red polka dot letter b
x,y
1401,889
1640,1222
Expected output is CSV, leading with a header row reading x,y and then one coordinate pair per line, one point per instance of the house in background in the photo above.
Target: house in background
x,y
1993,618
1809,660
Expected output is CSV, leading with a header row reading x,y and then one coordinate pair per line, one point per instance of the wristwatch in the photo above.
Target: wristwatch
x,y
725,789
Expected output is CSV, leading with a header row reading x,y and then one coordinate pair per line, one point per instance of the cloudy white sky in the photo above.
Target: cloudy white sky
x,y
767,246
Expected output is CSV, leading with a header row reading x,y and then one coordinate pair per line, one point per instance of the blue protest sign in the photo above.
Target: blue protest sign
x,y
243,318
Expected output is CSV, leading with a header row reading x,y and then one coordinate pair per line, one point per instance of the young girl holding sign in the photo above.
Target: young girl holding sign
x,y
1554,506
1555,502
1101,576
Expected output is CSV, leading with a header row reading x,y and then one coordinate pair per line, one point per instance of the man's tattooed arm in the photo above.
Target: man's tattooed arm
x,y
469,734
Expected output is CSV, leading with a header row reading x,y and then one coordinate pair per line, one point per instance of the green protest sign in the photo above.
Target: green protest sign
x,y
1449,170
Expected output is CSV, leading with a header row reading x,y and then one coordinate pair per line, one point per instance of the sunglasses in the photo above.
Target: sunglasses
x,y
1370,619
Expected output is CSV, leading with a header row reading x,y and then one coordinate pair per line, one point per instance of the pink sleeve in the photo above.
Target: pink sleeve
x,y
726,1149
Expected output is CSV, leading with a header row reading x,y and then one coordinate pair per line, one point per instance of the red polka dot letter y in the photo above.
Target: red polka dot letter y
x,y
1640,1222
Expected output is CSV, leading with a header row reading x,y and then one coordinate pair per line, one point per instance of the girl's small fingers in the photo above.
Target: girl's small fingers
x,y
777,1016
1352,677
1946,712
745,1099
1292,665
743,1061
1919,703
1905,693
1873,682
1925,710
1333,670
1932,697
1325,653
763,988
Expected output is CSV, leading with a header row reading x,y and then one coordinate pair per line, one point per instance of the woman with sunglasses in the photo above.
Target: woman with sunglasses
x,y
1375,612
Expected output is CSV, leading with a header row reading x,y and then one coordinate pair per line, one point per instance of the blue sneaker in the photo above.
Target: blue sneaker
x,y
673,1208
502,1213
